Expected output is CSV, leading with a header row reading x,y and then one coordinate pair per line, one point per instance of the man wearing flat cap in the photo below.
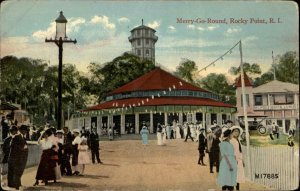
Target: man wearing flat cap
x,y
17,158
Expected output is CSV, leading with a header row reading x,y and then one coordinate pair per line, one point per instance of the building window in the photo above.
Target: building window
x,y
247,100
139,42
147,41
146,32
289,99
279,122
258,100
138,32
139,52
283,99
147,52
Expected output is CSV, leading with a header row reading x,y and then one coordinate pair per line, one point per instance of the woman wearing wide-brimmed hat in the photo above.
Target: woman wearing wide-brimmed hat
x,y
49,159
236,131
228,165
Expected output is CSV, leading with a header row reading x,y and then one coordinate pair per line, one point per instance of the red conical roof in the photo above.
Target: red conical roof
x,y
238,81
156,79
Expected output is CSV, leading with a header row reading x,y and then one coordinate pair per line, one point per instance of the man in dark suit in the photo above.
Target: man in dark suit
x,y
6,144
94,146
67,152
201,147
188,133
17,158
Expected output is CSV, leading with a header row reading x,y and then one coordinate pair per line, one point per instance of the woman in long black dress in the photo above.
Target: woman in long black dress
x,y
49,159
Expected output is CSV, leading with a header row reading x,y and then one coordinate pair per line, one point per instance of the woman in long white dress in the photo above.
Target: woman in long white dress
x,y
178,136
236,131
159,134
76,142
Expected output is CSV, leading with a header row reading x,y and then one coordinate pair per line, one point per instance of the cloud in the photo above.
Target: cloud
x,y
72,26
171,28
154,24
209,28
48,33
201,28
104,21
123,20
231,31
191,27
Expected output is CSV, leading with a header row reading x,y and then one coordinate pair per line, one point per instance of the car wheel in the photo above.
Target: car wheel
x,y
262,130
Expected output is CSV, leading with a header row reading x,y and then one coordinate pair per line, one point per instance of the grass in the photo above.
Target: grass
x,y
258,140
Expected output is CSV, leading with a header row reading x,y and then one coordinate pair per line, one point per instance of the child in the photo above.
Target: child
x,y
83,157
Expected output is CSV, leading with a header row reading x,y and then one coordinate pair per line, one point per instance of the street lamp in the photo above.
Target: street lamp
x,y
60,38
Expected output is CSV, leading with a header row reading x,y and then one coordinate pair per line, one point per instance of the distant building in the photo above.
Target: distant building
x,y
277,100
143,41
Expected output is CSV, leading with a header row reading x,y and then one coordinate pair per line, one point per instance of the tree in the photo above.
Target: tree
x,y
288,68
218,84
265,78
116,73
186,69
248,68
33,84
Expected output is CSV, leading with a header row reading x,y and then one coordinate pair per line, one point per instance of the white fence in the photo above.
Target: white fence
x,y
275,167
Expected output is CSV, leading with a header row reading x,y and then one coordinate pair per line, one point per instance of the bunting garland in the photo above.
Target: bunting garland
x,y
219,58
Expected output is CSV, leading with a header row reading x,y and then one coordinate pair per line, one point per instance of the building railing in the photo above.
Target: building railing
x,y
34,154
274,107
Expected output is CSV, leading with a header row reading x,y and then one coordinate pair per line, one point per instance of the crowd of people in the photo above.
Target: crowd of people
x,y
221,143
64,153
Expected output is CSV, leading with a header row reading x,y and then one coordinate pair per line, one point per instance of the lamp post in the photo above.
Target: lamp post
x,y
60,38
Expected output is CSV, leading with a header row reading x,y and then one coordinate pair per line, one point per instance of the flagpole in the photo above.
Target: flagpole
x,y
245,112
274,73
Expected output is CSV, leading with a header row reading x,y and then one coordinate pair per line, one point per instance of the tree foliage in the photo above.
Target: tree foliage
x,y
248,68
117,73
218,84
287,70
33,84
186,69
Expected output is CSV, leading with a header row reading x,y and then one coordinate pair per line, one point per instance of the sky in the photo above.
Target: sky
x,y
102,29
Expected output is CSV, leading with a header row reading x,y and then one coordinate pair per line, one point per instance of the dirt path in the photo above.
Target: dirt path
x,y
128,165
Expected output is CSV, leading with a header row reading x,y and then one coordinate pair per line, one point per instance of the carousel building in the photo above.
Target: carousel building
x,y
156,97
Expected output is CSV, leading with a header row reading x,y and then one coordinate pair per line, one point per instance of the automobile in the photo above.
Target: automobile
x,y
257,123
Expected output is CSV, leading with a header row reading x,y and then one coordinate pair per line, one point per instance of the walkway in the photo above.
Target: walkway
x,y
128,165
